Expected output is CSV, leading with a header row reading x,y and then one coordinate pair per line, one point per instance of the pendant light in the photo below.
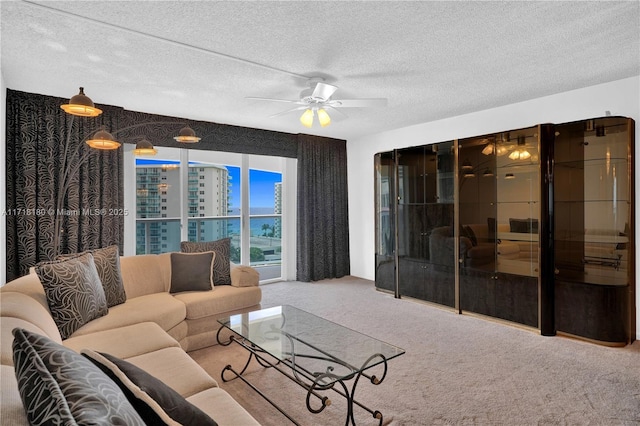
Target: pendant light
x,y
103,140
187,135
145,147
307,118
81,105
323,117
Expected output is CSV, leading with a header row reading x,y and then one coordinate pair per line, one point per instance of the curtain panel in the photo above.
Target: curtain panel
x,y
62,196
323,228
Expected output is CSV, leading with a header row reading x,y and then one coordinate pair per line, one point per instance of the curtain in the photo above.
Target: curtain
x,y
323,228
90,215
62,196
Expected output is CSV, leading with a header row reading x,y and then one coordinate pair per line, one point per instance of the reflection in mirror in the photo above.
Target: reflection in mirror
x,y
518,202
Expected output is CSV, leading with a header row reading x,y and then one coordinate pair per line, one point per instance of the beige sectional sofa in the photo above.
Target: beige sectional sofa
x,y
152,329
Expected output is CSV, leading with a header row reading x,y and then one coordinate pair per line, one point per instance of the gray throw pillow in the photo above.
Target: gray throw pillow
x,y
153,400
74,292
222,247
107,262
192,271
60,386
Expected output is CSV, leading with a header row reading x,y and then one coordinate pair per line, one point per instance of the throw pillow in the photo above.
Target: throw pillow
x,y
154,399
74,292
467,231
222,247
107,262
60,386
192,271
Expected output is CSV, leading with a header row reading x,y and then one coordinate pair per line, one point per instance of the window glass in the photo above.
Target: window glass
x,y
158,197
265,207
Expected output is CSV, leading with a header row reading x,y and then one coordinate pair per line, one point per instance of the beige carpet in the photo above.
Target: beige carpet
x,y
458,369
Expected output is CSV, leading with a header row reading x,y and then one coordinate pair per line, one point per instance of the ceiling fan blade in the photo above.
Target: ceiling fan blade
x,y
323,91
359,103
273,100
336,111
300,108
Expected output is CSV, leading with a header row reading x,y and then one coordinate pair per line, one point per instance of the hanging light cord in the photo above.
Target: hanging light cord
x,y
166,40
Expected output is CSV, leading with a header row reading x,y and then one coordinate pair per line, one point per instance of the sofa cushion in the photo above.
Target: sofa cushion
x,y
161,308
107,262
244,276
74,292
59,386
152,398
192,271
174,367
222,247
219,404
125,342
222,299
145,274
12,412
19,305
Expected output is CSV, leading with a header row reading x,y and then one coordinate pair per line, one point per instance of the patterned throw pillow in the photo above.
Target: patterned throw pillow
x,y
192,271
107,262
221,267
153,400
60,386
74,292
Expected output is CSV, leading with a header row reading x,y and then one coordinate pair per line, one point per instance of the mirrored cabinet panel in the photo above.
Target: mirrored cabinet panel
x,y
532,226
593,208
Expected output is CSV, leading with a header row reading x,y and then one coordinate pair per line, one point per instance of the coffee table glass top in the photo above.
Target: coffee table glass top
x,y
311,345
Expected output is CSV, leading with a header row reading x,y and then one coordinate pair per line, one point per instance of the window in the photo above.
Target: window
x,y
206,204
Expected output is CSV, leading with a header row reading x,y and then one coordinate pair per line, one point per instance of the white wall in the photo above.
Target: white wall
x,y
620,97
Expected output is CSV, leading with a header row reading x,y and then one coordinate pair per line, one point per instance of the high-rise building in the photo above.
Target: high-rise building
x,y
277,209
158,196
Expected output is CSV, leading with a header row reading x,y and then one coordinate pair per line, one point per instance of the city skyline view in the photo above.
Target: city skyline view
x,y
261,185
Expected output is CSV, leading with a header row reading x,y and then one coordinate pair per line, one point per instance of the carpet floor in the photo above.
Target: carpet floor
x,y
457,369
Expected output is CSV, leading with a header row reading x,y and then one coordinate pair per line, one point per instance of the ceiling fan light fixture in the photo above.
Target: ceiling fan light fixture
x,y
187,135
307,118
145,147
81,105
323,118
488,150
103,140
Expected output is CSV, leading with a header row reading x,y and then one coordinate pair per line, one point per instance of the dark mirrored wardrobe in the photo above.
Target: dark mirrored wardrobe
x,y
532,226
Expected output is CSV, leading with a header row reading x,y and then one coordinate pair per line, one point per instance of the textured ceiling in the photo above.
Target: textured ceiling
x,y
200,60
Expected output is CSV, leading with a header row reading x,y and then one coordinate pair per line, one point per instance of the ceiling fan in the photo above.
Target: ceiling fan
x,y
316,100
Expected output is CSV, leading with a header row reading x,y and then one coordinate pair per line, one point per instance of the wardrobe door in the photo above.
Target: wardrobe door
x,y
476,232
593,236
385,221
518,226
412,248
426,271
439,267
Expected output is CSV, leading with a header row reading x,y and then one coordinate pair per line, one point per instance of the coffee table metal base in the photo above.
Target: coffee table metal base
x,y
287,367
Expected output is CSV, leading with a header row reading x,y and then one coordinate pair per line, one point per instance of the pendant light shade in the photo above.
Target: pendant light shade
x,y
145,147
187,135
81,105
307,118
103,140
323,118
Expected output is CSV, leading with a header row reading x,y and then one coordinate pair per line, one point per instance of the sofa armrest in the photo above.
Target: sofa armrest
x,y
244,276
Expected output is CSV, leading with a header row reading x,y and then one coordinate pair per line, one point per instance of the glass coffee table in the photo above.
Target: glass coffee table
x,y
317,354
